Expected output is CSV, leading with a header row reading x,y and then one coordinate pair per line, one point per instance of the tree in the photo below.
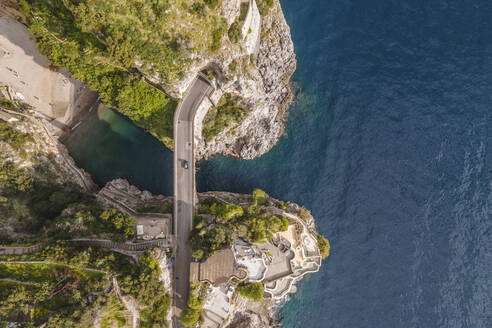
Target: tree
x,y
252,291
257,230
217,238
197,254
17,302
227,211
192,314
123,223
190,317
158,312
276,223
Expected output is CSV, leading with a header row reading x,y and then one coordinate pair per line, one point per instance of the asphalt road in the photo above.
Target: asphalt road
x,y
184,189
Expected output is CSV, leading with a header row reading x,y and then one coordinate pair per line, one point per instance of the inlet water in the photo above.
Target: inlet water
x,y
389,145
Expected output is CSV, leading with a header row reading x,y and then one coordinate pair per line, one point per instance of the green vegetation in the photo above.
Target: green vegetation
x,y
193,313
219,223
115,46
82,37
164,208
75,289
324,246
243,11
223,212
259,196
143,284
252,291
264,6
233,66
66,285
122,225
55,294
13,179
113,312
227,113
217,35
15,138
155,315
235,31
190,317
38,207
197,254
210,73
7,104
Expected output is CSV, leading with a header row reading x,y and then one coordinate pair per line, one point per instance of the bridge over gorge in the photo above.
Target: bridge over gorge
x,y
184,188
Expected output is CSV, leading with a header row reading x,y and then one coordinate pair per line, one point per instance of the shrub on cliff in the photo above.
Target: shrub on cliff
x,y
235,32
15,138
324,246
227,113
264,6
13,179
259,196
252,291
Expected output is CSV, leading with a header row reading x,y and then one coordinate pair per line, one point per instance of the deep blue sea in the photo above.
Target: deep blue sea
x,y
389,145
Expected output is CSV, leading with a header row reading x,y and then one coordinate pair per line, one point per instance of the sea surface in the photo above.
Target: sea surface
x,y
389,145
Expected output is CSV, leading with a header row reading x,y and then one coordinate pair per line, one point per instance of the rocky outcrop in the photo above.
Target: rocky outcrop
x,y
258,70
264,86
45,149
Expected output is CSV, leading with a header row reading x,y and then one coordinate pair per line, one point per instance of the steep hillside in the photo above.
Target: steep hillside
x,y
141,56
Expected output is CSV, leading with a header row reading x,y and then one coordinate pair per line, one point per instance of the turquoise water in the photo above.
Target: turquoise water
x,y
389,145
110,146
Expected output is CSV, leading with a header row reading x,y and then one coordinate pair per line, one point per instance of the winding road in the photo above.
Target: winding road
x,y
184,189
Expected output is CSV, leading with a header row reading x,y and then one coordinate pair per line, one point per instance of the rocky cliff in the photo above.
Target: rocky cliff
x,y
242,46
43,150
257,69
265,88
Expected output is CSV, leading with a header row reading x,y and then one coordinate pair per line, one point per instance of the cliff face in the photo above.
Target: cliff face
x,y
265,89
43,150
257,69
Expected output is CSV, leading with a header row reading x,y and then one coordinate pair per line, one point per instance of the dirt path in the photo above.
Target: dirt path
x,y
27,283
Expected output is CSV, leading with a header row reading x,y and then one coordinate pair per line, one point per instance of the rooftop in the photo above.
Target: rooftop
x,y
150,228
217,269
